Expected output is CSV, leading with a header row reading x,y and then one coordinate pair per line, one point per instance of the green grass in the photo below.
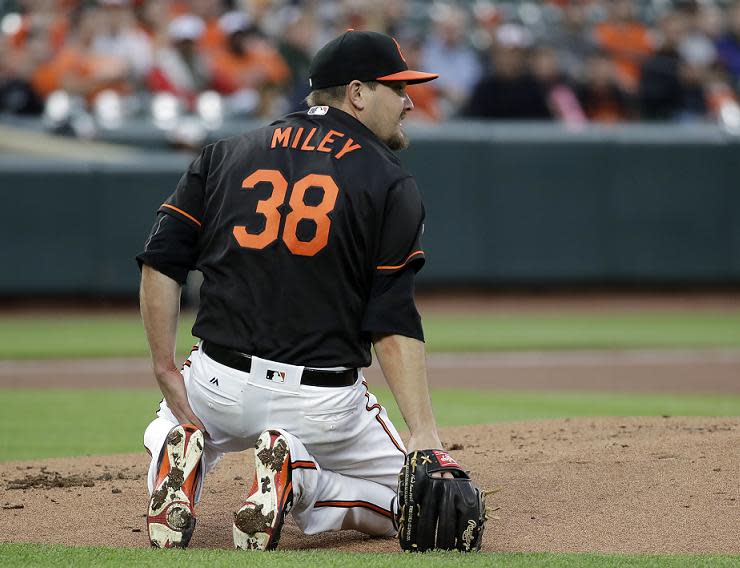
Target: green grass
x,y
62,422
61,556
66,336
583,331
122,335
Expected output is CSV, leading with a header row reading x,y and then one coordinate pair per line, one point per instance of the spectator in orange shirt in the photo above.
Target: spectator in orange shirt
x,y
626,40
78,70
248,65
210,11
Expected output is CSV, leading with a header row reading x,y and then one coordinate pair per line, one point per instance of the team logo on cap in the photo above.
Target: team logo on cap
x,y
398,46
318,110
275,376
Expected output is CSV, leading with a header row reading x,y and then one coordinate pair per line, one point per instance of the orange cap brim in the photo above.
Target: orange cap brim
x,y
409,76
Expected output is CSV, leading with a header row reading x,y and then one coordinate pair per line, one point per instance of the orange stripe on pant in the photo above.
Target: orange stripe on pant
x,y
380,420
350,504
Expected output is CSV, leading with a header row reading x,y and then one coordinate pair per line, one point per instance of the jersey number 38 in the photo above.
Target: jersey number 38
x,y
318,213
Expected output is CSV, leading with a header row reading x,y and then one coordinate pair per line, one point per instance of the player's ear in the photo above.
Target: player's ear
x,y
356,94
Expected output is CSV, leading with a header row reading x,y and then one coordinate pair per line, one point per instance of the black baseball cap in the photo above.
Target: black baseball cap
x,y
365,56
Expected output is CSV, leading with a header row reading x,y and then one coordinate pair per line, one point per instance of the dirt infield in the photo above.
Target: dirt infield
x,y
605,484
632,485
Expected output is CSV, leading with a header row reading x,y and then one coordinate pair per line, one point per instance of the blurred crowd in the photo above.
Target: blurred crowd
x,y
568,60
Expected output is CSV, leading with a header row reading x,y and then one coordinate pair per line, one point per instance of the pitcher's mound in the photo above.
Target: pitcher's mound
x,y
589,484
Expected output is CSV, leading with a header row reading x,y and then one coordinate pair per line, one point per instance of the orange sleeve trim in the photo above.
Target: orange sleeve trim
x,y
349,504
181,212
302,464
405,262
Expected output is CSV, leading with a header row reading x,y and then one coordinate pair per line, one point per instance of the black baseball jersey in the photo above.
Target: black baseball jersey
x,y
307,233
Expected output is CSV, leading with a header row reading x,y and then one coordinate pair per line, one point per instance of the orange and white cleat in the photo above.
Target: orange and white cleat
x,y
258,523
171,517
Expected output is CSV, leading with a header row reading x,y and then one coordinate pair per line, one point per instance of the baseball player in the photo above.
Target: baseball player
x,y
307,233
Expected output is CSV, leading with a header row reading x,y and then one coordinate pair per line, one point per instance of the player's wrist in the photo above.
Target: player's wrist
x,y
167,372
428,441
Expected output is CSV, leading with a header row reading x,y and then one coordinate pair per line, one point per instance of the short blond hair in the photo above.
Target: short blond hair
x,y
332,96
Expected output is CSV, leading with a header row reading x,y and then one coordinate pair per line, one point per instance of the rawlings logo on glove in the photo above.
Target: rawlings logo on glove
x,y
438,512
445,459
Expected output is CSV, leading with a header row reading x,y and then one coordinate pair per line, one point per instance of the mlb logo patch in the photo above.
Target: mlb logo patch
x,y
318,110
275,376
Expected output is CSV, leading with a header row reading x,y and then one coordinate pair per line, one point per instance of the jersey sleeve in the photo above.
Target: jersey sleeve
x,y
172,246
187,201
391,307
403,224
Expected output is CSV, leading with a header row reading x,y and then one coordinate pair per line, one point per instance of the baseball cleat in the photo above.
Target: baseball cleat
x,y
258,523
171,517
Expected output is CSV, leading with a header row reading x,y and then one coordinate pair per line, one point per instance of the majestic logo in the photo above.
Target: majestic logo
x,y
318,110
467,535
275,376
214,381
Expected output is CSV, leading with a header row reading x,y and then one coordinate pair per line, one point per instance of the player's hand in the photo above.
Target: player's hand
x,y
173,389
444,475
426,442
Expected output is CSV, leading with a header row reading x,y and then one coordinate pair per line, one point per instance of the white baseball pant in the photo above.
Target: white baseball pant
x,y
345,452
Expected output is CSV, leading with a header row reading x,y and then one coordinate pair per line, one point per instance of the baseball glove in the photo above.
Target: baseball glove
x,y
437,512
